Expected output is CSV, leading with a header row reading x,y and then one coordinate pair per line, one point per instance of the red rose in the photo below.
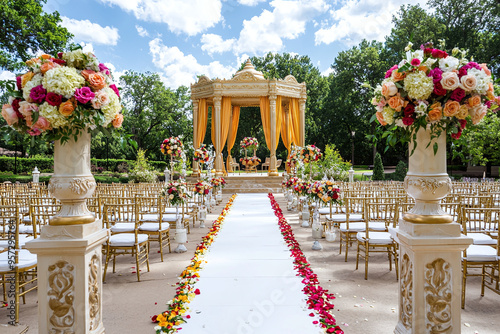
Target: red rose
x,y
197,292
59,61
15,106
439,90
457,95
408,121
153,318
335,196
409,109
463,123
53,99
457,135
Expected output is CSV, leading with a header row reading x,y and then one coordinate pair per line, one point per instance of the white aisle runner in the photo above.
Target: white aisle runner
x,y
248,284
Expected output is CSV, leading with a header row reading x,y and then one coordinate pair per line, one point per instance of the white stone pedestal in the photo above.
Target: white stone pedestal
x,y
70,278
430,277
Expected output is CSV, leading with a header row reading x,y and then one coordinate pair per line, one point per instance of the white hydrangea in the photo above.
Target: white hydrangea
x,y
399,122
35,81
81,60
388,114
112,108
51,113
482,80
418,85
63,80
448,64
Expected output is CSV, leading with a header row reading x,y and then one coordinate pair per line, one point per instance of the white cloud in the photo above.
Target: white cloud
x,y
181,16
141,31
86,31
361,19
265,33
6,75
180,69
327,72
215,44
250,2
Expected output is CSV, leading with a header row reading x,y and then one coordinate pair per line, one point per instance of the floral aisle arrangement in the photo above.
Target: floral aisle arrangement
x,y
202,188
201,154
249,143
288,184
293,159
250,161
176,192
175,315
61,96
172,147
218,182
310,153
301,187
430,88
326,191
318,299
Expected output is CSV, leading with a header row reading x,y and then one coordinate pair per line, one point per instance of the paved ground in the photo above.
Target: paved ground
x,y
361,306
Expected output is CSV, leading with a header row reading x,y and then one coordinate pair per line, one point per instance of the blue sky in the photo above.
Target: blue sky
x,y
180,39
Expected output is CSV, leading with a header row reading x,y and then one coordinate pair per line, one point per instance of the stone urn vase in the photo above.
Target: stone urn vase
x,y
72,182
427,180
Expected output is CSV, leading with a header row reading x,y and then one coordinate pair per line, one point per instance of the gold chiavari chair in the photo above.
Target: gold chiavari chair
x,y
16,263
41,211
350,222
124,243
150,212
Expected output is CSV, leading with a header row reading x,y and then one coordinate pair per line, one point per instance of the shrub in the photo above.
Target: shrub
x,y
378,168
400,173
142,171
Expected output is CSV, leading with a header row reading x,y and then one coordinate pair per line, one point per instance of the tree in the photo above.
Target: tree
x,y
153,112
378,169
25,29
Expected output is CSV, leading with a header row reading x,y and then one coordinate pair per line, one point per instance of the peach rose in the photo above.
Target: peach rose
x,y
397,76
396,103
485,69
26,108
101,99
86,73
474,100
45,56
477,113
468,82
463,111
490,93
380,118
423,68
450,81
42,123
47,66
389,89
66,108
451,108
97,81
26,77
118,120
32,62
9,114
435,114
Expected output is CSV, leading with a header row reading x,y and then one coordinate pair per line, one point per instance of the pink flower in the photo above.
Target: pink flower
x,y
104,69
9,114
84,95
34,132
113,87
53,99
389,72
42,123
27,109
18,83
436,74
415,62
37,94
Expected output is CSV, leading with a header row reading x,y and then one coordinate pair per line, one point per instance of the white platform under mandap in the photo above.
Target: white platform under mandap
x,y
248,284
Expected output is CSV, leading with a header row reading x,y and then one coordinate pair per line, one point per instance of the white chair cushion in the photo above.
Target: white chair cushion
x,y
23,239
376,238
126,239
153,227
173,210
122,227
482,239
377,226
324,211
353,227
149,217
26,259
170,218
341,217
494,234
26,229
476,253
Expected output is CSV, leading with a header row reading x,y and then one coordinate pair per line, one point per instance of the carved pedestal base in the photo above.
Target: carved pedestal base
x,y
430,277
70,278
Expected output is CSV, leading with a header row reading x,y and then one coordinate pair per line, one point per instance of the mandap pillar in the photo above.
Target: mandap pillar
x,y
196,165
272,109
69,248
218,148
302,109
431,246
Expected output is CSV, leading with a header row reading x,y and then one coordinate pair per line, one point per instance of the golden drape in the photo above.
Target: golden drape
x,y
201,128
295,117
225,120
265,114
235,120
279,111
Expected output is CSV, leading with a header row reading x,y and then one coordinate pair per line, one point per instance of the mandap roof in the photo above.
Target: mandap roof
x,y
247,86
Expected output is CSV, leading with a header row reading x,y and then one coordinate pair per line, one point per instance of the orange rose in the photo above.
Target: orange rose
x,y
32,62
423,68
485,69
86,73
435,114
380,118
97,81
396,102
451,108
463,112
26,77
490,93
397,76
66,108
47,66
46,56
474,100
118,120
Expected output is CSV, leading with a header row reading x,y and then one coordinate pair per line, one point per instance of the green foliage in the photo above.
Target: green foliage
x,y
333,165
378,169
142,171
25,29
25,165
400,173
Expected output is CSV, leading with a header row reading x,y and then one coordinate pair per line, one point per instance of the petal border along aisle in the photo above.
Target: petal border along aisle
x,y
169,320
318,298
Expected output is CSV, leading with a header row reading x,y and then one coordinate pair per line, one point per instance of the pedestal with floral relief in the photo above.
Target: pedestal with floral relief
x,y
430,245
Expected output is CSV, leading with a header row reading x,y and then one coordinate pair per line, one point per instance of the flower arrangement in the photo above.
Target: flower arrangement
x,y
301,187
61,96
430,88
172,147
169,320
250,161
249,143
202,188
218,182
201,154
290,182
326,191
176,192
310,153
294,156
